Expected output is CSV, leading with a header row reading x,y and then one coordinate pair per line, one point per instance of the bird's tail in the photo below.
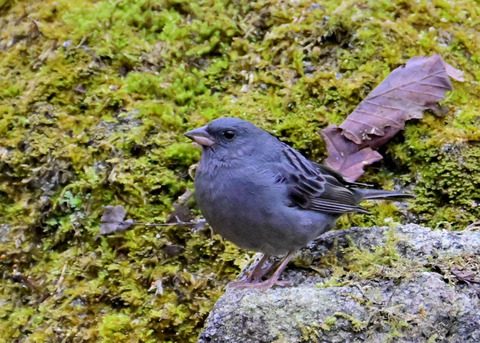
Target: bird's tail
x,y
382,194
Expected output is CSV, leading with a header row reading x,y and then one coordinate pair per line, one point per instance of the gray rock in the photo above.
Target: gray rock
x,y
423,287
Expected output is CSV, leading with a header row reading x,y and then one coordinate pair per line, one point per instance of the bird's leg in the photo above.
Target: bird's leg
x,y
273,280
256,274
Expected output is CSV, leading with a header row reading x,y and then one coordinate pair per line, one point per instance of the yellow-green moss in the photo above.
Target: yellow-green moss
x,y
95,96
313,332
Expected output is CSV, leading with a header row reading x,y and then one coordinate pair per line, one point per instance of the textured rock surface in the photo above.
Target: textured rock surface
x,y
428,293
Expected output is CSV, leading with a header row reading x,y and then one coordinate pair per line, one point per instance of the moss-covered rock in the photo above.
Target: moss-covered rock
x,y
95,96
366,285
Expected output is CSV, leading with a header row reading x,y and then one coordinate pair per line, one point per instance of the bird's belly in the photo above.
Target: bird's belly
x,y
274,235
258,224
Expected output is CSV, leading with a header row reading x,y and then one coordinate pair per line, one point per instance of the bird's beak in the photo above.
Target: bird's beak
x,y
201,136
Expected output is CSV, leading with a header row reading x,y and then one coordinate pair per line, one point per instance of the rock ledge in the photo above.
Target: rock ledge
x,y
426,290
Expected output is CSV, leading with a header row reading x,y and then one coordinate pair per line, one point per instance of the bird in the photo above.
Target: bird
x,y
263,195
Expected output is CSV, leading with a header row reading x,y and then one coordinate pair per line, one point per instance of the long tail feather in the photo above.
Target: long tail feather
x,y
382,194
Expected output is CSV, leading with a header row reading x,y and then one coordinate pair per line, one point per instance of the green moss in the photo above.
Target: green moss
x,y
359,264
382,264
447,178
114,327
314,332
95,97
358,325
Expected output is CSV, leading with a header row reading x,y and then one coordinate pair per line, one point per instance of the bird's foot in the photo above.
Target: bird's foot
x,y
255,276
253,281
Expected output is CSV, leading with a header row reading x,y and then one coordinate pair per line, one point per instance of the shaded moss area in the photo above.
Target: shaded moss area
x,y
95,96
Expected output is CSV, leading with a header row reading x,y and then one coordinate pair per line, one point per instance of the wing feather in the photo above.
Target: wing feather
x,y
316,187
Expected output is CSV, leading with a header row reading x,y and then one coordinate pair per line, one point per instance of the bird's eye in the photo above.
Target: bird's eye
x,y
229,134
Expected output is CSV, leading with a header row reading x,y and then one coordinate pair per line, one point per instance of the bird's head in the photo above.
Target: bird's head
x,y
229,139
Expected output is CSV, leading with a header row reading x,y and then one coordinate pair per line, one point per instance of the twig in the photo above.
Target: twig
x,y
201,221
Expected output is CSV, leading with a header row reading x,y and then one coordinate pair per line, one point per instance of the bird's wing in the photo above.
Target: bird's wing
x,y
315,187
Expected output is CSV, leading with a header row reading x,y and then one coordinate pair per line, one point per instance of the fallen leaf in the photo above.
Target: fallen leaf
x,y
403,95
113,220
173,250
345,156
466,276
181,212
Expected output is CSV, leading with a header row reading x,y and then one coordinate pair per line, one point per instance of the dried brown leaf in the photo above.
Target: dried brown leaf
x,y
113,220
466,275
181,212
404,94
345,156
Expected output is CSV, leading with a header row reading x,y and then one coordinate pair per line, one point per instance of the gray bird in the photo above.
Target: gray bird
x,y
265,196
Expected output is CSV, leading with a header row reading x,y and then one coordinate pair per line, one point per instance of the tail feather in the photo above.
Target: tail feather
x,y
382,194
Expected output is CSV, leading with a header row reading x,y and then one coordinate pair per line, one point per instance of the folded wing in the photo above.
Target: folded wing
x,y
316,187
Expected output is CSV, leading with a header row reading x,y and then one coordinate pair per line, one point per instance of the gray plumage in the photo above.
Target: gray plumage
x,y
263,195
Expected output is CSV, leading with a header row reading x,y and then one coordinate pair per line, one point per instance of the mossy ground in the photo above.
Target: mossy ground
x,y
95,96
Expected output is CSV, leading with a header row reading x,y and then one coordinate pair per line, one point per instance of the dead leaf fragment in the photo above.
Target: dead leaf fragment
x,y
113,220
466,275
408,91
181,211
403,95
345,156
